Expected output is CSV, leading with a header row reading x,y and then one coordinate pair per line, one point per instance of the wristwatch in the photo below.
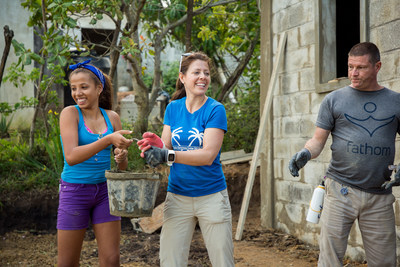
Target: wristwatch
x,y
170,157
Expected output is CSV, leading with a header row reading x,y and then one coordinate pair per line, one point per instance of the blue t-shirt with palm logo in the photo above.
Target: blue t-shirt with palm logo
x,y
187,134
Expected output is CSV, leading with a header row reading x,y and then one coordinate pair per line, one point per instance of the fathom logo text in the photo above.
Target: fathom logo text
x,y
365,149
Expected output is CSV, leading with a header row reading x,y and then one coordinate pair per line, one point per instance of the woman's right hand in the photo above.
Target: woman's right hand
x,y
118,140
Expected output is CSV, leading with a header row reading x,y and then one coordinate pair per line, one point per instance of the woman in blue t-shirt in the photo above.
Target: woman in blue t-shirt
x,y
194,128
88,131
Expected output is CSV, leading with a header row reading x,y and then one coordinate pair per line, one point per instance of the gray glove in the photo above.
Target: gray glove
x,y
298,161
155,156
395,182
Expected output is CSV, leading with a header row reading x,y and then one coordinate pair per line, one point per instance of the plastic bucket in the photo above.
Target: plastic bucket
x,y
131,194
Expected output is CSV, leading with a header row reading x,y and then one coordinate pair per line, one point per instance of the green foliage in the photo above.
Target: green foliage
x,y
243,122
147,79
155,11
39,168
128,45
4,126
52,146
225,29
20,170
7,109
170,75
135,162
222,32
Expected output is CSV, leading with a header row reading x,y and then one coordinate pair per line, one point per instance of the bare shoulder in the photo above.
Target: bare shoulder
x,y
114,119
69,111
112,114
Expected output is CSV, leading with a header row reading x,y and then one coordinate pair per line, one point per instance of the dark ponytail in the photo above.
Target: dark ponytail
x,y
106,96
180,90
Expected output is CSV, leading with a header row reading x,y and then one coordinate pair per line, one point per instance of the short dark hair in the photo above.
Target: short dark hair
x,y
366,48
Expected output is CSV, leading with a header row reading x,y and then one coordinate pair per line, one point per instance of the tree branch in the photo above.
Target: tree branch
x,y
8,36
232,80
189,23
196,12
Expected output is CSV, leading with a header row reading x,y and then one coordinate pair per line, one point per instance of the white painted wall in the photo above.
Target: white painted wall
x,y
13,15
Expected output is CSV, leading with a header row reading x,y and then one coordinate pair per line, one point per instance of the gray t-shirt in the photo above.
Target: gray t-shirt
x,y
363,126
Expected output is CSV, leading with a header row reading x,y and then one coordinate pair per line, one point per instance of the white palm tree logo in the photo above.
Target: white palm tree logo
x,y
175,134
196,135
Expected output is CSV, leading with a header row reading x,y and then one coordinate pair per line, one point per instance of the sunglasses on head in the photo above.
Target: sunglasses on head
x,y
180,62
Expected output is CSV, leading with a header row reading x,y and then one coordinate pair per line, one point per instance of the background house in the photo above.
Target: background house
x,y
320,34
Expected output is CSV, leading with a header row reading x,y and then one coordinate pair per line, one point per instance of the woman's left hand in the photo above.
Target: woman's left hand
x,y
120,155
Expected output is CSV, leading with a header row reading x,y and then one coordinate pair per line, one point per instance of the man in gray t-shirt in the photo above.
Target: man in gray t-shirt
x,y
363,119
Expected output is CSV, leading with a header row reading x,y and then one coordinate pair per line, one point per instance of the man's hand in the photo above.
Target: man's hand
x,y
298,161
155,156
149,140
396,181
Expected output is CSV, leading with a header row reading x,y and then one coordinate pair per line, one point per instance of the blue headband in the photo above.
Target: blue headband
x,y
93,69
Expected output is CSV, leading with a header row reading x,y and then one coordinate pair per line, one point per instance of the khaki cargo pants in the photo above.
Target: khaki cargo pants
x,y
181,213
375,219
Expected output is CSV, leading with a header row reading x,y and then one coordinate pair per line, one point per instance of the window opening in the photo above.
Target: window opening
x,y
347,32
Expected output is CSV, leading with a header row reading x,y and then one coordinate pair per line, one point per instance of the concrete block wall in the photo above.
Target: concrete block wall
x,y
296,104
294,116
384,31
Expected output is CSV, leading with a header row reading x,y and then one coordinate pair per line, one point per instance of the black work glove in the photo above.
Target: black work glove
x,y
155,156
298,161
395,182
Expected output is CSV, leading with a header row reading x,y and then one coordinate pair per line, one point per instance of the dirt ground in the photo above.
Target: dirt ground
x,y
28,235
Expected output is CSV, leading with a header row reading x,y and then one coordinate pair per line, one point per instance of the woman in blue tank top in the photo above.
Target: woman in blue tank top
x,y
88,132
194,128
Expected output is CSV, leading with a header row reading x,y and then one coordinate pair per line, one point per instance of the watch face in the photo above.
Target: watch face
x,y
171,157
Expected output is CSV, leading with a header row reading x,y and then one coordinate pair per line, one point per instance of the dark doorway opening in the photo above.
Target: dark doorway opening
x,y
101,38
347,32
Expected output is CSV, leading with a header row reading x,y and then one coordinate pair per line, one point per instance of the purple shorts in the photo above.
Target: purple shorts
x,y
81,203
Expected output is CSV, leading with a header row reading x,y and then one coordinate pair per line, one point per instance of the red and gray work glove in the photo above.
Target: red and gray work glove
x,y
155,156
396,181
298,161
149,140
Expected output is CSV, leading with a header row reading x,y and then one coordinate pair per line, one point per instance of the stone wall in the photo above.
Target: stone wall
x,y
296,104
384,31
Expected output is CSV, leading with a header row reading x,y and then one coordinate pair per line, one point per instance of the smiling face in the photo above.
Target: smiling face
x,y
197,78
362,73
84,91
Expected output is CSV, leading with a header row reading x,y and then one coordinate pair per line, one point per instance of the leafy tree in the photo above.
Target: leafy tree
x,y
50,21
164,23
232,30
219,28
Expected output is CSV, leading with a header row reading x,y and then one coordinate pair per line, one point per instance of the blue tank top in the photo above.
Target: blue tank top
x,y
92,170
